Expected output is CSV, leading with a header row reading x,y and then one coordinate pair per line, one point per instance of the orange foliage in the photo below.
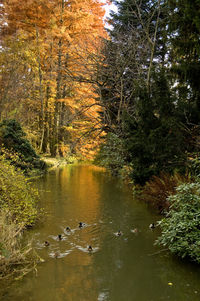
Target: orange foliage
x,y
66,39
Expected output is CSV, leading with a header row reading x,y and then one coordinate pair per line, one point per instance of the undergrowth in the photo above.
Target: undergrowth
x,y
157,189
17,194
16,258
181,226
18,210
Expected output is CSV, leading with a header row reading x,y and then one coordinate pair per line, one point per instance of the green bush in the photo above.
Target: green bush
x,y
181,226
12,139
17,195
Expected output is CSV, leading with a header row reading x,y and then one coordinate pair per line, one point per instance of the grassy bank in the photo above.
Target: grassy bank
x,y
17,258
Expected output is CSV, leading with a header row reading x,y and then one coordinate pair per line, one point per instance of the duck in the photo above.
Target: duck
x,y
46,243
68,229
80,224
152,226
56,254
119,233
135,230
90,248
59,236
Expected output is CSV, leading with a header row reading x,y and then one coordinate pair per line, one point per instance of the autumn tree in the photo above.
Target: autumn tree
x,y
58,32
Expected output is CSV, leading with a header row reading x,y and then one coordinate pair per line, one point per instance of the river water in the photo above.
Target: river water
x,y
119,268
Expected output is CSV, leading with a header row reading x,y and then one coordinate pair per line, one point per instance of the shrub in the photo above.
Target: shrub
x,y
16,259
157,189
17,195
12,139
194,166
181,227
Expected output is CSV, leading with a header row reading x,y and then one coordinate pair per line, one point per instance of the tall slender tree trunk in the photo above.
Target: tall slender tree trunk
x,y
57,106
46,122
41,115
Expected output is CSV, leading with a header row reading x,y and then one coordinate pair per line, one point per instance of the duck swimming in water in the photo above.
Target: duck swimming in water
x,y
80,225
46,243
68,229
56,254
134,230
152,226
59,236
119,233
90,248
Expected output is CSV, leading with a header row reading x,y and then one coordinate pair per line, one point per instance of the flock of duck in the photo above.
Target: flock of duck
x,y
90,249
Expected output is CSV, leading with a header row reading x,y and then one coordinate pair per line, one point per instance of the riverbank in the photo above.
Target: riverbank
x,y
19,210
54,162
17,258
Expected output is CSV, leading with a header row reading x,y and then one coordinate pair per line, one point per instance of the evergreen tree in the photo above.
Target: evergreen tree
x,y
155,140
12,139
143,108
184,28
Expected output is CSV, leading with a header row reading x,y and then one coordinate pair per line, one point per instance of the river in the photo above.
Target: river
x,y
128,267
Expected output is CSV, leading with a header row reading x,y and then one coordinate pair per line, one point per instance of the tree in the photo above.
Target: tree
x,y
58,32
184,36
141,105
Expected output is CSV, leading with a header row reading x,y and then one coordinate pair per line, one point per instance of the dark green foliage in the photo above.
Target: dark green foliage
x,y
194,166
181,227
155,138
184,29
12,138
150,84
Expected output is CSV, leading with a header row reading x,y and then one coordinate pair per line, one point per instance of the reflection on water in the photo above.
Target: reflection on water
x,y
125,267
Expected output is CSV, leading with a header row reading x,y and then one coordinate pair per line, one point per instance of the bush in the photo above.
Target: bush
x,y
12,140
158,189
16,194
181,227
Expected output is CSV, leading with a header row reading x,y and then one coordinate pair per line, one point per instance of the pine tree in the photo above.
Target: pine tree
x,y
142,107
184,32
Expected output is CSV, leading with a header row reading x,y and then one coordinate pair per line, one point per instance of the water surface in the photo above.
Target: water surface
x,y
120,268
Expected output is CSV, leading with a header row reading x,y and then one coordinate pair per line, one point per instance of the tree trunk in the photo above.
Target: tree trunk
x,y
46,122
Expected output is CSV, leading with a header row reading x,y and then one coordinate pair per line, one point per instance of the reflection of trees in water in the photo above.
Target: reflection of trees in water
x,y
70,281
82,189
75,194
121,268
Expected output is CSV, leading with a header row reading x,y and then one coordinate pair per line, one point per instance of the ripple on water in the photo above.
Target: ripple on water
x,y
58,254
85,249
103,296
